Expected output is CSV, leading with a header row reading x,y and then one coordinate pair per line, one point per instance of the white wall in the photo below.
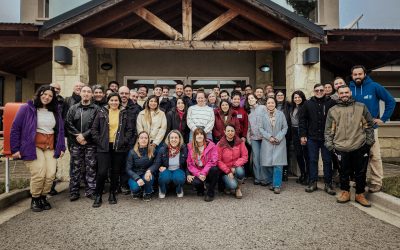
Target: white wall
x,y
10,11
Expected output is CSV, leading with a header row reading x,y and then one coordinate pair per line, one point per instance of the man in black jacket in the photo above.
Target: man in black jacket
x,y
79,121
312,126
133,110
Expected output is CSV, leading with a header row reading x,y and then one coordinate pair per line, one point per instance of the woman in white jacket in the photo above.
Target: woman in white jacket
x,y
200,116
153,121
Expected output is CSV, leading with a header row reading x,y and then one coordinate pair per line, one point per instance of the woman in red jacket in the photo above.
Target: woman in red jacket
x,y
223,116
232,155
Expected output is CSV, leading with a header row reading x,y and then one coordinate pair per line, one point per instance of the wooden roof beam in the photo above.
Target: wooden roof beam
x,y
181,45
158,24
215,25
130,21
24,42
258,18
187,19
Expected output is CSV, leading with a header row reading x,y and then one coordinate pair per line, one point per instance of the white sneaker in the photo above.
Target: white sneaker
x,y
180,195
160,194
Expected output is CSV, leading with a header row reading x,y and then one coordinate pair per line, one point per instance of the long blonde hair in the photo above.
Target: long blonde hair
x,y
150,150
147,110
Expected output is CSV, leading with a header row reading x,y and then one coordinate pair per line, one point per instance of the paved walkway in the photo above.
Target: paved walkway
x,y
261,220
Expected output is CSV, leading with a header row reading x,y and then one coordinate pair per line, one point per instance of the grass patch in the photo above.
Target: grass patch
x,y
15,184
391,185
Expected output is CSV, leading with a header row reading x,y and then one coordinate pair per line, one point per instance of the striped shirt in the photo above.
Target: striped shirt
x,y
200,117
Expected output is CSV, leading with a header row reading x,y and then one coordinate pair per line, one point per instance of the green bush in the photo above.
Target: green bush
x,y
15,184
391,185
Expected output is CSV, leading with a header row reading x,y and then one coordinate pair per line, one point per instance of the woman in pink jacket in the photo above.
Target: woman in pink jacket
x,y
202,164
232,155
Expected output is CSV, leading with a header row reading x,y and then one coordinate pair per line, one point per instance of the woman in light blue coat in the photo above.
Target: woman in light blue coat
x,y
273,146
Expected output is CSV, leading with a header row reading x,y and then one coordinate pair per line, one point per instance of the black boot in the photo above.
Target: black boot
x,y
53,190
285,175
329,189
45,204
112,199
300,180
97,201
36,205
312,187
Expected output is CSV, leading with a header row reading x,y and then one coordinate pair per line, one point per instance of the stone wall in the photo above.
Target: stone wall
x,y
390,147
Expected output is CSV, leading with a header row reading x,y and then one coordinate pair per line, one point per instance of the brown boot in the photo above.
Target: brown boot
x,y
360,198
344,197
238,193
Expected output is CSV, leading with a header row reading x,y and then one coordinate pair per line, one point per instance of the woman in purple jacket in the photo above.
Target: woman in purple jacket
x,y
37,137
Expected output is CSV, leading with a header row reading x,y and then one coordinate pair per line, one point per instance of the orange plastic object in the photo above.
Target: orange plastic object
x,y
10,110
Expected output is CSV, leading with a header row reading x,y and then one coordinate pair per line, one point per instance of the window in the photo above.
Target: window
x,y
43,10
396,113
208,83
135,81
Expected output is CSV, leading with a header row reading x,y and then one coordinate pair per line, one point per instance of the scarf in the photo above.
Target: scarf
x,y
172,151
181,114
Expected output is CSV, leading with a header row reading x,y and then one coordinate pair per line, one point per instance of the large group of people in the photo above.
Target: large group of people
x,y
143,144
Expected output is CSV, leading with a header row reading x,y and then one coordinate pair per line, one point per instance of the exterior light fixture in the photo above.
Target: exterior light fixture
x,y
63,55
264,68
311,56
106,66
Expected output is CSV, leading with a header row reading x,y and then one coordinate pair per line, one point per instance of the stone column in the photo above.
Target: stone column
x,y
66,76
106,56
299,76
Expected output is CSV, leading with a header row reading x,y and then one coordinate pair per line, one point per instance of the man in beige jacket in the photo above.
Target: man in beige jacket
x,y
349,134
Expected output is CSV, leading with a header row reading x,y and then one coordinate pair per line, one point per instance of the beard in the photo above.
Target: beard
x,y
358,81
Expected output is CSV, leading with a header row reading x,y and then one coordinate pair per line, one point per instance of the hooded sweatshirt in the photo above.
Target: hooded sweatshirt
x,y
370,93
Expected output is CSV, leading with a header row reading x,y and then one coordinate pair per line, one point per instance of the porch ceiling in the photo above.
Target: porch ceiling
x,y
21,49
372,48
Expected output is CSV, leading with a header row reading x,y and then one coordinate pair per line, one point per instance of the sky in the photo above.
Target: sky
x,y
9,11
381,14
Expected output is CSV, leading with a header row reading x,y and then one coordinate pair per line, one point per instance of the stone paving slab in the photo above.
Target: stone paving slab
x,y
261,220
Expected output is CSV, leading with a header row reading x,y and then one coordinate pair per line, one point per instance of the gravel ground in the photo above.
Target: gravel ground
x,y
261,220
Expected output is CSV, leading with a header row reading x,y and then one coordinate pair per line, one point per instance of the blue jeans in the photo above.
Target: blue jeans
x,y
313,151
167,176
135,188
275,175
260,173
232,184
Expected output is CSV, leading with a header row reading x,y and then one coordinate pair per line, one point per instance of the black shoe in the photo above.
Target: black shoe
x,y
147,197
208,198
45,204
97,201
91,196
300,180
112,199
36,205
137,195
256,183
53,192
200,193
264,184
125,190
328,188
312,187
285,175
74,197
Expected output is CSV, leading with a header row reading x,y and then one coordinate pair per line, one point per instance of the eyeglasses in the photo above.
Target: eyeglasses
x,y
318,90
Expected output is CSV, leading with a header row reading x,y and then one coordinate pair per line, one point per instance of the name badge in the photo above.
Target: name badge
x,y
239,116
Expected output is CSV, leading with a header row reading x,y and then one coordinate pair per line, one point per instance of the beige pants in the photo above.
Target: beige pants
x,y
375,162
43,172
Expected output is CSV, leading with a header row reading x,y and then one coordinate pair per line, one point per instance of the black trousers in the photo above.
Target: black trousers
x,y
211,182
354,162
109,160
301,153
